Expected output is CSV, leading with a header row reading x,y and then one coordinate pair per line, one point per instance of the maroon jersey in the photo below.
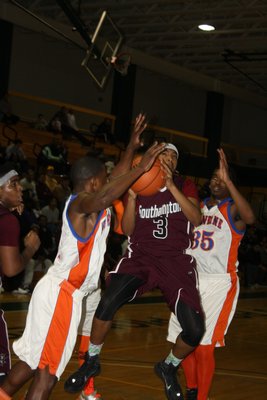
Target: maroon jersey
x,y
9,228
161,227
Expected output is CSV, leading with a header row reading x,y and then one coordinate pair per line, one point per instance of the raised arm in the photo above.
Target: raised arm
x,y
135,142
189,205
87,203
241,207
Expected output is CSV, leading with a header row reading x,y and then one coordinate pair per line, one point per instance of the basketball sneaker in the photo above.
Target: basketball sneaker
x,y
168,373
191,394
92,396
76,382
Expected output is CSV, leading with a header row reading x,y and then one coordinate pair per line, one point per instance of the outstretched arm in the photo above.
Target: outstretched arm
x,y
241,206
87,203
135,142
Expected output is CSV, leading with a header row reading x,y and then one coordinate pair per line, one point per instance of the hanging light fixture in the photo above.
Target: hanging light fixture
x,y
206,27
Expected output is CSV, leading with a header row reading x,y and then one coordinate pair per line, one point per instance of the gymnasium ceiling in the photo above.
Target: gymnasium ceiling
x,y
235,53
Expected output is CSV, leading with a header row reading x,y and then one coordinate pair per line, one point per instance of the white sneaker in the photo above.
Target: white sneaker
x,y
92,396
20,291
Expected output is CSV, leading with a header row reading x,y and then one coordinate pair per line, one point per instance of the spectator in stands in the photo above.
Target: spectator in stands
x,y
55,154
64,122
50,178
62,191
72,119
6,112
52,214
43,191
41,123
105,129
29,185
15,154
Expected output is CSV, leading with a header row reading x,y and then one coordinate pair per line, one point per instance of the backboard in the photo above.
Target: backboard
x,y
106,42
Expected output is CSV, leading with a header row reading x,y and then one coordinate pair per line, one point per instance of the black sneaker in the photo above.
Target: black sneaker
x,y
76,382
191,394
168,373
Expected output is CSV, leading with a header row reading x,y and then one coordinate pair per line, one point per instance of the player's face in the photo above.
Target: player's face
x,y
11,193
217,186
170,157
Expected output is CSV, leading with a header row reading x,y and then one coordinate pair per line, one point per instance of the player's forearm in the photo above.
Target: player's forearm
x,y
190,210
125,163
128,219
244,209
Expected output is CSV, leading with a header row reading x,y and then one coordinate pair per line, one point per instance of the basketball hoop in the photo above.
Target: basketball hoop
x,y
121,63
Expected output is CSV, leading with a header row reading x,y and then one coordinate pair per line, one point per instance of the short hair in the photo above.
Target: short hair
x,y
85,168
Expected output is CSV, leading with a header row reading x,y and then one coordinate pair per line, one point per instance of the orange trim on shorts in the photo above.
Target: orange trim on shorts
x,y
59,329
222,322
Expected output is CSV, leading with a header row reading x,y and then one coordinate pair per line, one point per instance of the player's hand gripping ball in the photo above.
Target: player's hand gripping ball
x,y
151,181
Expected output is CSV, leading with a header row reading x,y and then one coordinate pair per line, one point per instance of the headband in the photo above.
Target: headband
x,y
7,176
171,146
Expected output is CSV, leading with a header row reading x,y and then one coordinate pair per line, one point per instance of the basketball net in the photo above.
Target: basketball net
x,y
121,63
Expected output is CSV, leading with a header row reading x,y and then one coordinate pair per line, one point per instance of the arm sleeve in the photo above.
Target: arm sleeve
x,y
9,230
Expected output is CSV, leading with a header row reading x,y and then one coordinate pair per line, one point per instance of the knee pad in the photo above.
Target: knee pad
x,y
192,323
120,290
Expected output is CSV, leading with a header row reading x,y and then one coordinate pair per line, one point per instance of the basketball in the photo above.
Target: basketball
x,y
151,181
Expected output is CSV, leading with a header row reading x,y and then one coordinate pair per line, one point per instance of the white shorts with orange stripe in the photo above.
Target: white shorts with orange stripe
x,y
51,326
89,306
219,294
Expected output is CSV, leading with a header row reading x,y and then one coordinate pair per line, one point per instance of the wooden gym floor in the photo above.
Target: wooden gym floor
x,y
137,341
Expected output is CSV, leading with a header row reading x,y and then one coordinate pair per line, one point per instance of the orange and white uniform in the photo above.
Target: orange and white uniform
x,y
215,248
55,307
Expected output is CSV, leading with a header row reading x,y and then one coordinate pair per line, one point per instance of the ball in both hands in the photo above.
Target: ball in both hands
x,y
150,182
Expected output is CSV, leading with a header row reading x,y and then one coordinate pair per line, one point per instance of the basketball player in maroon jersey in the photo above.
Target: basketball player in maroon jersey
x,y
159,230
12,261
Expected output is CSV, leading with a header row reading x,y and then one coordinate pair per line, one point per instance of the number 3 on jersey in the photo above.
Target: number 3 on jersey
x,y
203,239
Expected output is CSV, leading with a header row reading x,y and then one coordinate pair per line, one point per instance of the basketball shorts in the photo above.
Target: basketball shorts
x,y
175,276
219,294
51,326
90,303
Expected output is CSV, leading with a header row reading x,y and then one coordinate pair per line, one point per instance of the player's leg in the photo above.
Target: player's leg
x,y
121,289
17,377
42,385
205,369
90,304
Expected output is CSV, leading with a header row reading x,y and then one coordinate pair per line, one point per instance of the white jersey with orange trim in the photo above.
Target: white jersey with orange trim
x,y
79,260
216,240
215,248
55,308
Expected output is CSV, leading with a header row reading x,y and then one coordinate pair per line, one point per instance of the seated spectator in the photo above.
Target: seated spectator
x,y
105,130
41,123
62,191
15,154
50,178
29,185
43,192
51,212
6,112
54,154
64,122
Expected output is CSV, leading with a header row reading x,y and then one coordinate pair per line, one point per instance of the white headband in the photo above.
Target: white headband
x,y
171,146
7,176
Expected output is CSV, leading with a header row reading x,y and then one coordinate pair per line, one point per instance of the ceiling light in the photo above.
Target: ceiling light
x,y
206,27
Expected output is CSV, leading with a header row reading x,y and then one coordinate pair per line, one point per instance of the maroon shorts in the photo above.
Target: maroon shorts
x,y
175,276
